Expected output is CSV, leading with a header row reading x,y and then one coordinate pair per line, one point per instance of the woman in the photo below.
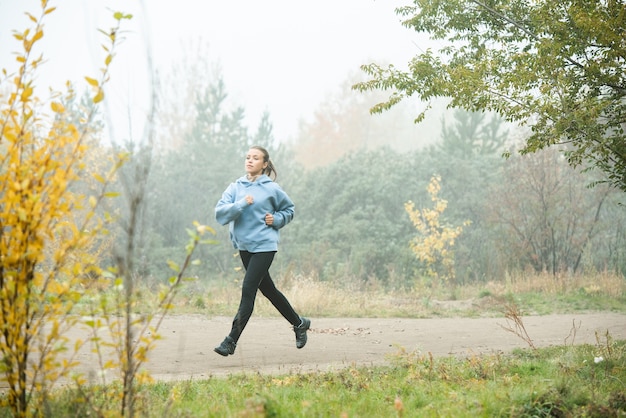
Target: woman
x,y
256,208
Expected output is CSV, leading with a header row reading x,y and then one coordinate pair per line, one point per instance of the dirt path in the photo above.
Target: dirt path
x,y
268,345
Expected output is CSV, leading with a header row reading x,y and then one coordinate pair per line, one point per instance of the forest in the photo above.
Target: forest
x,y
350,185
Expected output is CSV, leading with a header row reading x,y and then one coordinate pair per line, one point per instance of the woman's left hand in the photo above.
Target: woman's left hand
x,y
269,219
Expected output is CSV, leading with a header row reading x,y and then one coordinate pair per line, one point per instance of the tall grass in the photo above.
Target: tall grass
x,y
537,293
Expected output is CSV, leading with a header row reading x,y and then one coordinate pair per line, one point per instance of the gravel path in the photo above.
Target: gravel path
x,y
268,345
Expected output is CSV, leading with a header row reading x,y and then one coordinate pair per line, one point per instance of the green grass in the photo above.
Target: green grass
x,y
537,303
558,381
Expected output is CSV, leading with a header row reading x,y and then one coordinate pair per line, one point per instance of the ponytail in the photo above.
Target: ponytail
x,y
270,170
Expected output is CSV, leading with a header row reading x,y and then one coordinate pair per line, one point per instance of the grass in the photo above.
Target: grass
x,y
538,295
559,381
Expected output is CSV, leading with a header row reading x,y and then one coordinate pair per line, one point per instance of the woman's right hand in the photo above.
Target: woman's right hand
x,y
249,200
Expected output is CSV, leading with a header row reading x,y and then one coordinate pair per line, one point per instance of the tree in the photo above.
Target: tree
x,y
190,178
46,230
471,135
350,220
468,158
558,66
547,216
434,244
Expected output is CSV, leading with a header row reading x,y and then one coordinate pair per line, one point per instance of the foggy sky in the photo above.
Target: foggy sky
x,y
282,56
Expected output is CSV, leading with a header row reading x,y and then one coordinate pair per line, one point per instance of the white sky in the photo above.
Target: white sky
x,y
283,56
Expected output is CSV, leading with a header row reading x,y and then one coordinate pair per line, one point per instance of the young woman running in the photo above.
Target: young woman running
x,y
256,208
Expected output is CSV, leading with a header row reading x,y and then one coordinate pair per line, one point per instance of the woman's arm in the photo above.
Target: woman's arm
x,y
284,211
227,209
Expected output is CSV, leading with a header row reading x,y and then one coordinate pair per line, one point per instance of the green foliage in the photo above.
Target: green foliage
x,y
555,65
471,135
350,218
331,201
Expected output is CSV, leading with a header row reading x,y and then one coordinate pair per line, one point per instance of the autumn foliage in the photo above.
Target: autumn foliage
x,y
46,230
434,243
53,233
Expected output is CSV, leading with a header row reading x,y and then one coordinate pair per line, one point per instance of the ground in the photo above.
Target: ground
x,y
268,344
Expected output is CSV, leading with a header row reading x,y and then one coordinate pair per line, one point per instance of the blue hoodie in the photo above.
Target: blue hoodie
x,y
248,230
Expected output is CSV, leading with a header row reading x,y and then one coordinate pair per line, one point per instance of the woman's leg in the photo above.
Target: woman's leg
x,y
279,300
257,266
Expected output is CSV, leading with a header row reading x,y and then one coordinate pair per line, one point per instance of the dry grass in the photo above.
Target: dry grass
x,y
318,298
537,293
606,284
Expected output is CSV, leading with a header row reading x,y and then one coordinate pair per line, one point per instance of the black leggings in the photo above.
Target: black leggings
x,y
257,276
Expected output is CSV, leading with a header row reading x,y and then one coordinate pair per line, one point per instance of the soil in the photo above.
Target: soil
x,y
268,344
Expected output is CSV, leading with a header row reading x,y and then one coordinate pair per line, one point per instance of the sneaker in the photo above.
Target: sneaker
x,y
300,331
226,347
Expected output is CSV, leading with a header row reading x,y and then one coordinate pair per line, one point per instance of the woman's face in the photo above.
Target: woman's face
x,y
254,162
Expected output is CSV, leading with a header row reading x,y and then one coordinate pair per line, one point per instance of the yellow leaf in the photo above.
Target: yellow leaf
x,y
38,36
98,98
28,91
57,107
92,81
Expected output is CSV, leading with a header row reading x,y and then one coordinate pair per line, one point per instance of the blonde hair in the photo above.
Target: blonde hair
x,y
270,170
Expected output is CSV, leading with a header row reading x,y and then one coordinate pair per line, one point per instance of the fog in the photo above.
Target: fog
x,y
283,57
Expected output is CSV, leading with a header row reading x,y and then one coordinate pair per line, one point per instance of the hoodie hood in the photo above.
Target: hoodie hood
x,y
263,178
